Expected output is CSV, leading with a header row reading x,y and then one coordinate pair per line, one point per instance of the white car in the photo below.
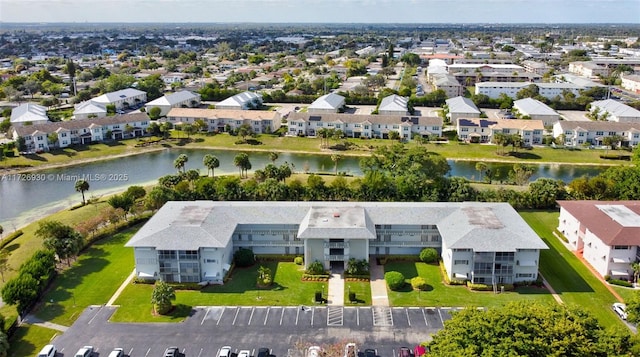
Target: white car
x,y
620,309
225,351
86,351
314,351
244,353
117,352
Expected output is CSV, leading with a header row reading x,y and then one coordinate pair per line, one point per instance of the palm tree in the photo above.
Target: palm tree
x,y
211,162
81,186
162,296
241,161
336,158
481,167
636,271
273,156
180,162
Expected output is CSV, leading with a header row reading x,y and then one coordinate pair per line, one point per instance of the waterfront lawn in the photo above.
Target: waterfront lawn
x,y
91,280
27,340
287,290
440,294
568,276
362,290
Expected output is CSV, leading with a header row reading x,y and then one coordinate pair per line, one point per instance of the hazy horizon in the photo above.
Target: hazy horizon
x,y
319,11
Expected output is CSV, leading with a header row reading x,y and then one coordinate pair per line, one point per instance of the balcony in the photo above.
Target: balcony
x,y
335,257
339,245
407,244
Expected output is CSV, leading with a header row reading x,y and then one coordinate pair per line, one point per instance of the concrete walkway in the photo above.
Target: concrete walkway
x,y
32,320
335,294
379,296
119,291
555,295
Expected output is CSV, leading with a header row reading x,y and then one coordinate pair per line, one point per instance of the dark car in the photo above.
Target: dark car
x,y
171,352
370,352
263,352
404,352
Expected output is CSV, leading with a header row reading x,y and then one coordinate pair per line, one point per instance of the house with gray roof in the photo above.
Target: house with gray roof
x,y
328,103
615,111
180,99
194,241
365,126
122,99
28,114
535,109
243,101
393,105
461,107
89,109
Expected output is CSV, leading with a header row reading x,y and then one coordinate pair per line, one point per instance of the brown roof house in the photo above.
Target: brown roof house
x,y
606,233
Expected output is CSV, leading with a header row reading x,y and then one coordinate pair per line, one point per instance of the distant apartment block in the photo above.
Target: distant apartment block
x,y
393,105
224,120
328,103
89,109
482,130
366,126
122,99
535,109
461,107
180,99
631,82
613,110
243,101
548,90
589,69
28,114
580,133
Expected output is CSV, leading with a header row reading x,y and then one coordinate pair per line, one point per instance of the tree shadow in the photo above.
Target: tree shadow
x,y
525,155
113,143
35,157
10,248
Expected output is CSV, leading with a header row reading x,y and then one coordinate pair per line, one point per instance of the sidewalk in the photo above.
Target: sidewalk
x,y
32,320
379,295
335,294
121,288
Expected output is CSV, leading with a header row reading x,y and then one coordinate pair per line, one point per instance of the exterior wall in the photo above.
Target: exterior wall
x,y
146,261
570,227
620,259
527,262
454,116
314,250
358,248
211,264
459,262
596,253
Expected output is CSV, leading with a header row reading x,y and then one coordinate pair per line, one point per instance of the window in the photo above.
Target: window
x,y
537,132
188,255
581,134
210,261
435,128
464,129
620,247
39,137
524,275
395,127
612,133
357,125
568,132
599,132
166,254
63,135
460,262
366,126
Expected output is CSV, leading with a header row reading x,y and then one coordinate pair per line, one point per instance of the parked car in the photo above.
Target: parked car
x,y
370,352
48,351
117,352
263,352
404,352
244,353
85,351
172,351
620,309
350,350
225,351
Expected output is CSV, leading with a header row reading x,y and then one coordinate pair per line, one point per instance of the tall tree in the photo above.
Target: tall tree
x,y
60,238
273,156
241,161
481,167
82,186
211,162
336,159
180,162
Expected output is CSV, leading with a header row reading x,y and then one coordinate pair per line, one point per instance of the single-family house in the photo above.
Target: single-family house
x,y
28,114
180,99
535,109
605,233
194,241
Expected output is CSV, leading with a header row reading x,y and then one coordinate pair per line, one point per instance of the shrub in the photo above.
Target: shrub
x,y
352,297
607,277
298,260
479,287
244,257
429,255
394,279
621,283
315,268
418,283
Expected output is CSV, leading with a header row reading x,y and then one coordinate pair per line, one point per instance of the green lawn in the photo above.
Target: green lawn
x,y
626,293
92,280
568,275
440,294
362,290
29,339
241,290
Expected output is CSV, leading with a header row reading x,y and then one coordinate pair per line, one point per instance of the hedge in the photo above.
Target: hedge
x,y
621,283
10,238
479,287
275,257
312,277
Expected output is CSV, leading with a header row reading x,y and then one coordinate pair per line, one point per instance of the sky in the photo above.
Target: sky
x,y
323,11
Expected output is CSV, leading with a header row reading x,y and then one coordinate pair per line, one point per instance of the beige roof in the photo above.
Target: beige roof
x,y
362,118
81,124
520,124
223,114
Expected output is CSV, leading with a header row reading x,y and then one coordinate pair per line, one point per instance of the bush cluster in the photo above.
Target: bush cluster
x,y
311,277
429,255
298,260
620,283
418,283
244,257
394,279
33,277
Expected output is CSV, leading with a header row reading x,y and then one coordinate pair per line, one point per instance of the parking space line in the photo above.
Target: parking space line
x,y
312,312
358,317
205,316
440,314
235,317
391,318
425,318
408,319
282,316
94,316
200,354
266,316
130,352
220,318
251,316
146,354
297,314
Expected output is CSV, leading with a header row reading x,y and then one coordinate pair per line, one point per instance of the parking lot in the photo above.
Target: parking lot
x,y
285,330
